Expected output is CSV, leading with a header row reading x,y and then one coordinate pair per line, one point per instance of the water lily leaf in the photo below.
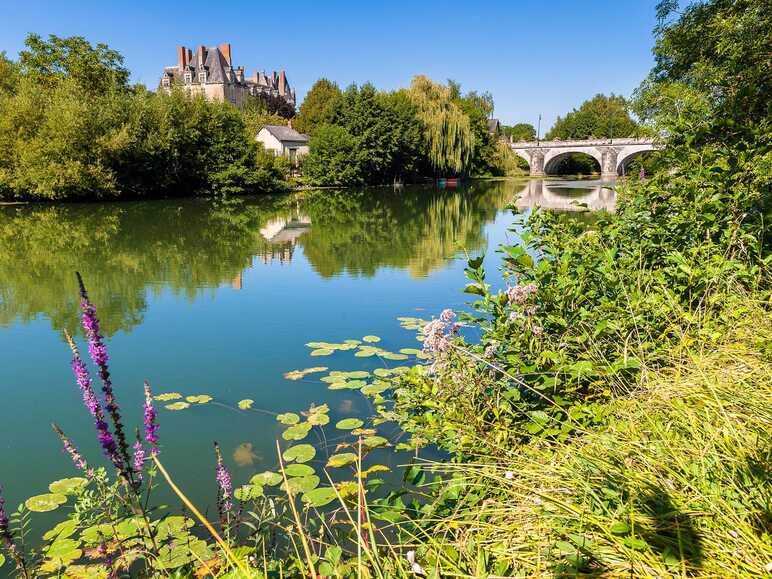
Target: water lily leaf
x,y
364,353
267,478
410,351
338,460
371,339
62,530
352,341
246,404
349,424
363,431
301,484
383,372
167,396
46,502
322,352
319,419
294,375
248,492
97,534
316,345
64,548
314,370
375,441
320,496
358,374
199,399
297,432
288,418
340,386
331,378
393,356
298,470
68,486
301,452
374,388
175,526
177,406
321,409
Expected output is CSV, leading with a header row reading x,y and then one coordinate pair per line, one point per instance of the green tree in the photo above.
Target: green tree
x,y
9,74
96,69
318,106
601,117
519,132
333,158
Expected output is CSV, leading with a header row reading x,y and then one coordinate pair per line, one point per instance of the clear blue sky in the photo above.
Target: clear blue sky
x,y
533,56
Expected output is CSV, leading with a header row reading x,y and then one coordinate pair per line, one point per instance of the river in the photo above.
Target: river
x,y
219,298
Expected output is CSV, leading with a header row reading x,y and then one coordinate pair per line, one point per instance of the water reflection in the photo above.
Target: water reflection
x,y
568,195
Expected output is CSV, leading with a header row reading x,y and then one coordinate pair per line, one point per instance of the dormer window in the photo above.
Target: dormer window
x,y
202,77
188,77
165,82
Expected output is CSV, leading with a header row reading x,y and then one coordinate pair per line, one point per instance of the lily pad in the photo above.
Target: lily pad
x,y
300,452
246,404
62,530
248,492
177,406
68,486
319,419
410,351
340,386
349,424
199,399
354,342
167,396
301,484
375,441
374,388
298,470
364,353
297,432
322,352
343,459
358,374
393,356
383,372
288,418
320,496
294,375
371,339
46,502
64,550
267,478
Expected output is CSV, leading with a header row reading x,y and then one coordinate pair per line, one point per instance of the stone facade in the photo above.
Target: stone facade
x,y
210,72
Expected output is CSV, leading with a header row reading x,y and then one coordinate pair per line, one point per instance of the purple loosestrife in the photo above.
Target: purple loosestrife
x,y
149,418
224,485
69,447
95,409
139,458
98,353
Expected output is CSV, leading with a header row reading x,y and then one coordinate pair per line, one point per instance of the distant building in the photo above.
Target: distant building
x,y
494,127
284,141
210,72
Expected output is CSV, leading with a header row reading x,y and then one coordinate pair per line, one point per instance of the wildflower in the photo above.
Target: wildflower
x,y
98,353
438,333
139,458
509,475
415,567
520,294
151,427
537,330
69,447
224,484
91,402
490,349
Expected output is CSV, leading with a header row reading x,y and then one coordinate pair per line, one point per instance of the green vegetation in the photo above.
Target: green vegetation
x,y
71,127
610,414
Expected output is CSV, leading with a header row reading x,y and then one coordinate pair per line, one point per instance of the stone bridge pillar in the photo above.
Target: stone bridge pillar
x,y
537,161
608,164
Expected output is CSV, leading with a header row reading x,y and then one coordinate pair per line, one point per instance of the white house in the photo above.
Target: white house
x,y
284,141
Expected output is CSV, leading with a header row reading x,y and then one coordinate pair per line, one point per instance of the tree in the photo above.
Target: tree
x,y
600,117
96,69
519,132
318,107
9,74
447,129
333,158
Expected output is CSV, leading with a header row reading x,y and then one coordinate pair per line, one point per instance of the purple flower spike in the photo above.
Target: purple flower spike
x,y
70,449
224,484
139,458
95,409
151,426
98,353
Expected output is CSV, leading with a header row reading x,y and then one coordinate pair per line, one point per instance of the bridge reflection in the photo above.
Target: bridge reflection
x,y
568,195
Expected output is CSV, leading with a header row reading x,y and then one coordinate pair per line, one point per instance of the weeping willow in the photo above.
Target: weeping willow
x,y
448,130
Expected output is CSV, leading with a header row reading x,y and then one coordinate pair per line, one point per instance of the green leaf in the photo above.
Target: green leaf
x,y
2,559
246,404
297,432
318,419
393,356
375,441
635,543
177,406
288,418
167,396
298,470
199,399
343,459
301,484
474,288
248,492
300,452
371,339
46,502
319,497
267,478
358,375
349,424
374,388
68,486
62,530
322,352
620,528
66,549
411,351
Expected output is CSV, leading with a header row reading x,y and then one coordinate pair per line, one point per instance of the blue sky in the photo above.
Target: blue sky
x,y
533,56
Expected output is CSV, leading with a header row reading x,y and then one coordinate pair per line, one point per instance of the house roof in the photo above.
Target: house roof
x,y
493,125
285,133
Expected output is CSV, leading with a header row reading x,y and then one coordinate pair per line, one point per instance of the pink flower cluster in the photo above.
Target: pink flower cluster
x,y
439,333
520,294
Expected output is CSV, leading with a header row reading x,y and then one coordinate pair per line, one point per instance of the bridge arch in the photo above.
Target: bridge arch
x,y
554,158
629,154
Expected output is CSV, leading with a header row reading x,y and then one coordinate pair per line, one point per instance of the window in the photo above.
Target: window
x,y
293,153
188,77
202,77
165,82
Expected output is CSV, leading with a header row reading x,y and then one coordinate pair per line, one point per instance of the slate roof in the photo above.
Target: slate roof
x,y
215,63
493,126
285,133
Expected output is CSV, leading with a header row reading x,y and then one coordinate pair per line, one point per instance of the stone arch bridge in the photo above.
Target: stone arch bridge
x,y
613,155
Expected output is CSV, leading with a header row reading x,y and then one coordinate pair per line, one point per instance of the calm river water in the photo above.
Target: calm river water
x,y
220,298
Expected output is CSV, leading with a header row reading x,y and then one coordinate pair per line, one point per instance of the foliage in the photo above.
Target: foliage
x,y
519,132
601,117
333,157
318,106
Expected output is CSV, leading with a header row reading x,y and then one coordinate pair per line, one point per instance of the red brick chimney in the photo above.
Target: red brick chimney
x,y
188,56
225,49
282,83
201,55
182,57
